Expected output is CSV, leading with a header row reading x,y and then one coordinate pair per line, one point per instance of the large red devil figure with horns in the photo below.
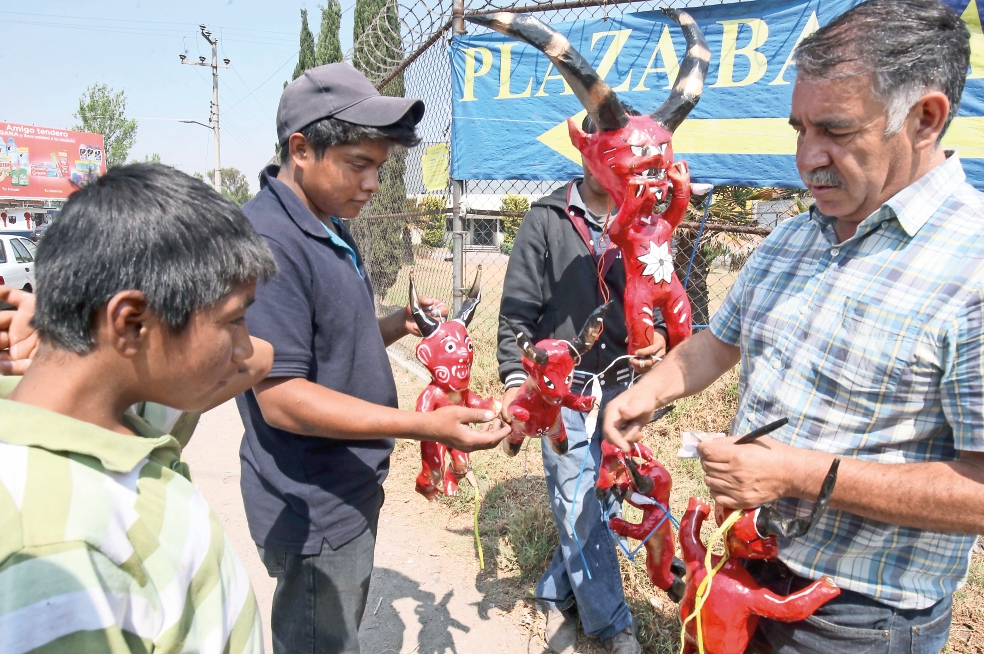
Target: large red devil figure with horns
x,y
446,352
632,158
734,601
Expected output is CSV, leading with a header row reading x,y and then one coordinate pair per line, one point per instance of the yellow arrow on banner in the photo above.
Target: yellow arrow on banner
x,y
762,136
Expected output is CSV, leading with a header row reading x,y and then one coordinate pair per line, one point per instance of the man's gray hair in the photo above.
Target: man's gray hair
x,y
909,47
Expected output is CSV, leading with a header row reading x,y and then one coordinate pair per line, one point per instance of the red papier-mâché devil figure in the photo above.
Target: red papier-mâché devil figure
x,y
632,159
735,601
535,413
446,352
647,487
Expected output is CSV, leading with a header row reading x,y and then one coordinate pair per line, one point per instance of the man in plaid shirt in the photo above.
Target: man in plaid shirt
x,y
862,321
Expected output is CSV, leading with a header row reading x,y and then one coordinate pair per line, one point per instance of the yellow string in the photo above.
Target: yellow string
x,y
704,589
478,540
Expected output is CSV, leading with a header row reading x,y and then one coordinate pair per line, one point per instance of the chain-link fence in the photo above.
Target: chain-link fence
x,y
440,230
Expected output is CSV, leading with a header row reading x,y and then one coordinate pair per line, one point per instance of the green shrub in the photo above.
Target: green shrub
x,y
510,224
432,225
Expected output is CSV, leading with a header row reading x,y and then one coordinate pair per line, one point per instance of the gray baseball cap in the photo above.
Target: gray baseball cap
x,y
340,91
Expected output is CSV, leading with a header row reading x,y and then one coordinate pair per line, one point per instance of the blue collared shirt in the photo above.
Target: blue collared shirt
x,y
874,349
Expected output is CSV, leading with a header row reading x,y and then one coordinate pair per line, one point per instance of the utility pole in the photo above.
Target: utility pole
x,y
213,117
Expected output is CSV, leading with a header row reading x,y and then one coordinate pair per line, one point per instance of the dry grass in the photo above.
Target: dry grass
x,y
967,628
519,536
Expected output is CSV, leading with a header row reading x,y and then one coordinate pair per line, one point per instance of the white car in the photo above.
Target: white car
x,y
17,262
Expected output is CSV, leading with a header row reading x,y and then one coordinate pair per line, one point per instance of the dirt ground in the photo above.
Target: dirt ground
x,y
423,597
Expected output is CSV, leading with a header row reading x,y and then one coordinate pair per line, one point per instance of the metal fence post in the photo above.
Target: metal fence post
x,y
458,242
458,17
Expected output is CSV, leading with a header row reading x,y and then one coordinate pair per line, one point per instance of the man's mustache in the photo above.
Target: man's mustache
x,y
824,176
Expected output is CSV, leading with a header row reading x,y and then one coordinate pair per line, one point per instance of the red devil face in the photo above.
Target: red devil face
x,y
447,354
743,539
553,379
640,152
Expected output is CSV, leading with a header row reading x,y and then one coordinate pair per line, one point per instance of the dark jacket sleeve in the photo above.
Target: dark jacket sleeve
x,y
283,314
522,293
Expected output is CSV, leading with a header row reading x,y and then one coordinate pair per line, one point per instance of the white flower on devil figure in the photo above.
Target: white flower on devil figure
x,y
659,262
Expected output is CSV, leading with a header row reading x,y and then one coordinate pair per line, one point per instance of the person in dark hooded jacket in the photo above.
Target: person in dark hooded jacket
x,y
552,285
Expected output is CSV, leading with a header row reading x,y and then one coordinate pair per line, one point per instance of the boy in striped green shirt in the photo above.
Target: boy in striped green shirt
x,y
105,544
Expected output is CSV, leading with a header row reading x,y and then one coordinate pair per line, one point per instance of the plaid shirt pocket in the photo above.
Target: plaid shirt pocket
x,y
871,348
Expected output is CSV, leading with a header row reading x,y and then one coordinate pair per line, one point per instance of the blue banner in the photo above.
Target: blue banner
x,y
510,104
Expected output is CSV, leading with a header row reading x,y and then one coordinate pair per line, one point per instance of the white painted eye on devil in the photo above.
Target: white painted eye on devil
x,y
569,379
469,344
450,346
648,150
549,384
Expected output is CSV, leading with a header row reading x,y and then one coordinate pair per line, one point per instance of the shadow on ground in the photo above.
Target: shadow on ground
x,y
383,629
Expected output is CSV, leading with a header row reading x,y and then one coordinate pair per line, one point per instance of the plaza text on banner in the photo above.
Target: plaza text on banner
x,y
510,104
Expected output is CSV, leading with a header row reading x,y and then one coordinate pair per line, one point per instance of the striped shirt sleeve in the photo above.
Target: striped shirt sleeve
x,y
725,324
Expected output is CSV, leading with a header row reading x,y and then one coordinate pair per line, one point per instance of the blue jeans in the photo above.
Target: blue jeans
x,y
850,622
600,600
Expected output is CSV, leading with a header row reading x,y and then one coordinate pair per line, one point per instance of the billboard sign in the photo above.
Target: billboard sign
x,y
510,105
45,163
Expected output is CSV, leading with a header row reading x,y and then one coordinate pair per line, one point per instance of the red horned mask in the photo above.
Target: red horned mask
x,y
550,363
641,150
446,350
625,147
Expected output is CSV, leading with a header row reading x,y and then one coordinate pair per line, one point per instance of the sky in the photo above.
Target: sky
x,y
56,49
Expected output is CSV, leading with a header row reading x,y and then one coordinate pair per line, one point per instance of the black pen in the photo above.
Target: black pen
x,y
761,431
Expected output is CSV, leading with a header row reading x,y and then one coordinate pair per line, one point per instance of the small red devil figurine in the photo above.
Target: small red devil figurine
x,y
730,614
446,351
535,413
632,158
646,487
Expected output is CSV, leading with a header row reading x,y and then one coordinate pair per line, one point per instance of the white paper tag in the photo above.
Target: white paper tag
x,y
691,439
591,421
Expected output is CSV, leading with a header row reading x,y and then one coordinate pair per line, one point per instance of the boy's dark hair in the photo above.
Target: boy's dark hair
x,y
588,126
328,132
909,47
146,227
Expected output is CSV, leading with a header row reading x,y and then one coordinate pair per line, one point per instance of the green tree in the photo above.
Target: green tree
x,y
305,58
329,48
235,186
102,111
510,224
148,158
434,225
378,48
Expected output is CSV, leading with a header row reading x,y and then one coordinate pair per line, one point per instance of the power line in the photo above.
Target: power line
x,y
169,33
241,81
135,20
271,76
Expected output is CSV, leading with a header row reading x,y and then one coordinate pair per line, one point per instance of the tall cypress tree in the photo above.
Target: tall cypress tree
x,y
378,48
329,49
306,58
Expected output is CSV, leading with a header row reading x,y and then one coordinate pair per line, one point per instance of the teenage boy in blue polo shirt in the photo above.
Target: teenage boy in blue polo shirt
x,y
320,428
